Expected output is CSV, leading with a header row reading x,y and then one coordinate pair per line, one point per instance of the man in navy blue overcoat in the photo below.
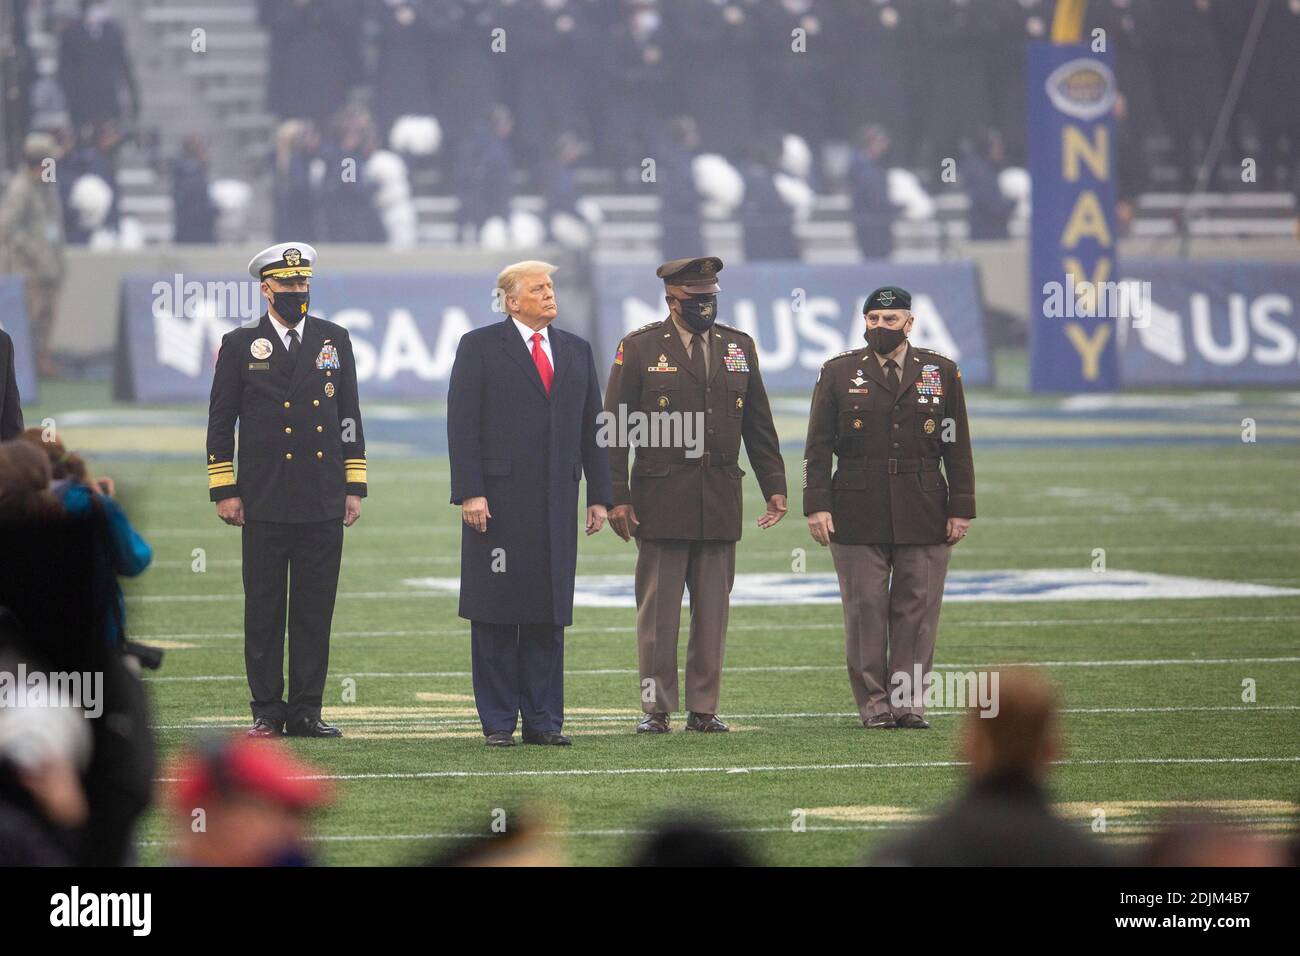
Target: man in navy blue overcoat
x,y
522,411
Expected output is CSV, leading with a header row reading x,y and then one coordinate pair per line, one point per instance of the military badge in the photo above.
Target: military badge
x,y
328,357
663,365
740,403
735,358
663,401
930,383
261,348
857,423
929,426
618,356
859,380
292,257
329,389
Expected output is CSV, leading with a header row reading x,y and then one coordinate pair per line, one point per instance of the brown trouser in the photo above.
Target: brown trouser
x,y
889,628
663,569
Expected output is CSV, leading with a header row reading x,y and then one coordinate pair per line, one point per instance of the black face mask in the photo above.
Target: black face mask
x,y
885,340
699,311
291,307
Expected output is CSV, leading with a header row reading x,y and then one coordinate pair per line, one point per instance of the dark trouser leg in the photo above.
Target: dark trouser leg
x,y
541,677
266,569
494,654
915,597
315,550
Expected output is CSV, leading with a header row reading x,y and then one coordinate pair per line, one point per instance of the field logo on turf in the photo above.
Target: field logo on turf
x,y
949,690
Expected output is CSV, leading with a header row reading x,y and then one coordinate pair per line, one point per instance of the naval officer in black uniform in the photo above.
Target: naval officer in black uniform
x,y
291,383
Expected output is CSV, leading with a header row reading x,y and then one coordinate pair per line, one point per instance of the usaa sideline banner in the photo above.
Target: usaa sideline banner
x,y
1072,229
404,329
800,315
13,319
1212,323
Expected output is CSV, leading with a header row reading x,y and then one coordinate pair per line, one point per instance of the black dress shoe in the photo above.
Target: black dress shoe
x,y
502,738
265,727
551,738
705,724
880,722
653,724
311,727
913,722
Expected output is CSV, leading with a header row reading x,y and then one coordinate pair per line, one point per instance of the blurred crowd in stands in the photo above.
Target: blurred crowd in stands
x,y
507,97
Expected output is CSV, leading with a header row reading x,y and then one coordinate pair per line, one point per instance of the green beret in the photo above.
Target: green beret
x,y
887,297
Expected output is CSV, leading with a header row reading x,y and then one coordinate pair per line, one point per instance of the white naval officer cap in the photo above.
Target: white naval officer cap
x,y
284,260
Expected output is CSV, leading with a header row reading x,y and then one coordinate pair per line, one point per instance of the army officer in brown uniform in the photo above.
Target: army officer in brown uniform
x,y
891,413
684,502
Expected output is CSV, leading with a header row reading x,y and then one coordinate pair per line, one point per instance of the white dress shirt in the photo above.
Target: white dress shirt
x,y
528,333
282,330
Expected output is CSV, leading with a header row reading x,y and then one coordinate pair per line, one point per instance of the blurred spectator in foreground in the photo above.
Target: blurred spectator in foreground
x,y
873,213
84,496
194,212
95,68
977,174
485,172
296,202
1003,817
523,843
680,231
43,751
244,802
11,410
57,582
1206,842
691,843
765,217
31,240
25,484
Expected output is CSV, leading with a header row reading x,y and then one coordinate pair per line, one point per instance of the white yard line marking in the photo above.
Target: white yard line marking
x,y
776,768
633,715
781,668
949,626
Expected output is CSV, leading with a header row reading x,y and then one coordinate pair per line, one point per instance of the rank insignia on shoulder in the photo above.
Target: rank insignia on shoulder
x,y
328,357
260,349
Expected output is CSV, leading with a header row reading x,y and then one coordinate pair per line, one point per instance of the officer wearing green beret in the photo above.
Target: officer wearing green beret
x,y
891,413
684,501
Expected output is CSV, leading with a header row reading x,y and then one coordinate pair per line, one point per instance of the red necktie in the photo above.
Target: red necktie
x,y
542,362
